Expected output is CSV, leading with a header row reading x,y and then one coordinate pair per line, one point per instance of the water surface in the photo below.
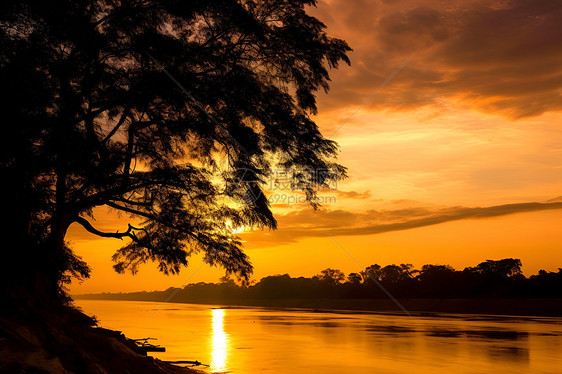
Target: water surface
x,y
252,340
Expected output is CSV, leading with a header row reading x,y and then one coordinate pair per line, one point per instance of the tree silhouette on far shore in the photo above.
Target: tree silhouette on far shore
x,y
500,280
151,108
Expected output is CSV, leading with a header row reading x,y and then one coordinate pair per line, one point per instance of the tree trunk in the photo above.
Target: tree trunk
x,y
17,260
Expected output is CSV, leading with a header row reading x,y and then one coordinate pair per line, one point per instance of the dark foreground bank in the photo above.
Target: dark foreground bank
x,y
61,340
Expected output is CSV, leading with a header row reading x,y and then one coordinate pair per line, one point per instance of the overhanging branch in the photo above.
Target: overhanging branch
x,y
118,235
197,237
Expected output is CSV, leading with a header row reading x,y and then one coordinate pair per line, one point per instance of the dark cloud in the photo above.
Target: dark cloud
x,y
307,224
502,57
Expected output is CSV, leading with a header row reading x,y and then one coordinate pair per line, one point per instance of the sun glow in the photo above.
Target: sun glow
x,y
219,343
235,229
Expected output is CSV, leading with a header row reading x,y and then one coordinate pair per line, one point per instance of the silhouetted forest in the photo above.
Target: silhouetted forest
x,y
489,279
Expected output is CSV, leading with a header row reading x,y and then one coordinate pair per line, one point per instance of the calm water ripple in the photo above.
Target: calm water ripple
x,y
251,340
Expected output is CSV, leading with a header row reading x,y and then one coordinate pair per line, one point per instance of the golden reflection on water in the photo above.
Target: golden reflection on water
x,y
328,343
219,343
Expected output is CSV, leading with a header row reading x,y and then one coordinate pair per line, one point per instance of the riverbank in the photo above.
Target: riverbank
x,y
62,340
515,307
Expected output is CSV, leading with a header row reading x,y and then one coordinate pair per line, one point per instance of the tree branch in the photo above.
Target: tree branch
x,y
145,203
155,219
124,116
88,226
129,153
99,198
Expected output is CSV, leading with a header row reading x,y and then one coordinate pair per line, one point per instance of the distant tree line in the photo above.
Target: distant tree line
x,y
489,279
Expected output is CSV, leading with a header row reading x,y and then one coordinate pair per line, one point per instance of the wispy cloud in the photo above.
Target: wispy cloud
x,y
299,225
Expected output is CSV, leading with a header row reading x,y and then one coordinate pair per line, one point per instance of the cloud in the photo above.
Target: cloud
x,y
354,194
500,57
307,224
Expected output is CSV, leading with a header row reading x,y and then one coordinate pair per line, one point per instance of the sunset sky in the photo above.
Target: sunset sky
x,y
448,121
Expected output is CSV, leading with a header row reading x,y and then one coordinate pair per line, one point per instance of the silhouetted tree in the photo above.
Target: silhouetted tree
x,y
393,274
546,284
132,105
283,286
370,272
435,273
408,271
354,278
506,268
437,281
331,276
492,278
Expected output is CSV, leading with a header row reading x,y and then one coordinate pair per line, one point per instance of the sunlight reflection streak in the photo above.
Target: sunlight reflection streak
x,y
219,344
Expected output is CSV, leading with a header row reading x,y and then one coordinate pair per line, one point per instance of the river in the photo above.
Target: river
x,y
251,340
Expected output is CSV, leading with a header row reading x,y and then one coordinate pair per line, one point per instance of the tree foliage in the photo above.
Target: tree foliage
x,y
331,276
149,107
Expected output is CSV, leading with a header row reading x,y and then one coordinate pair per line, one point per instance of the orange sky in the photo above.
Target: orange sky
x,y
470,120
